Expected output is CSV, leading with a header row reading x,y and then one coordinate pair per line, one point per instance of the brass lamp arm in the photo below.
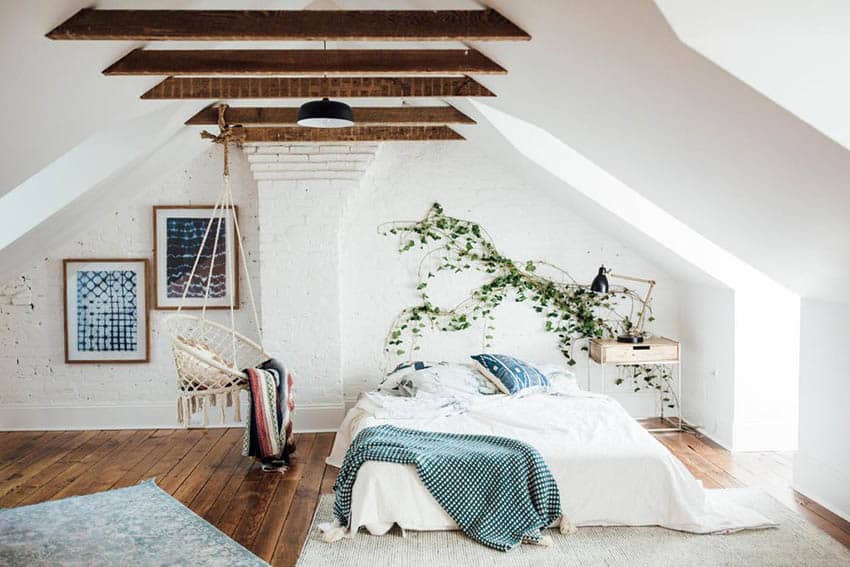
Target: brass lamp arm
x,y
632,279
642,316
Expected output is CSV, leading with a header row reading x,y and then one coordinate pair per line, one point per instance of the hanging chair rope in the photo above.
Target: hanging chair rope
x,y
205,376
226,135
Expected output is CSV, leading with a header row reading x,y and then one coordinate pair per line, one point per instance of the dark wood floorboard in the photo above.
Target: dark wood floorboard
x,y
270,513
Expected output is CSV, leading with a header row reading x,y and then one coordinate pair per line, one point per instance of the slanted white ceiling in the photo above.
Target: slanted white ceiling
x,y
796,53
613,81
609,79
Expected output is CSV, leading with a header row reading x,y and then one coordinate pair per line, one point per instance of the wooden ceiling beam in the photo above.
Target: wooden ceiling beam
x,y
363,116
332,25
354,134
193,62
233,88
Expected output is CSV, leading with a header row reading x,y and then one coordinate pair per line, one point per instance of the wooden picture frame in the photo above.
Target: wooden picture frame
x,y
168,289
106,310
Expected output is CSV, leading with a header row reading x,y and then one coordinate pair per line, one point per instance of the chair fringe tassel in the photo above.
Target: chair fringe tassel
x,y
189,405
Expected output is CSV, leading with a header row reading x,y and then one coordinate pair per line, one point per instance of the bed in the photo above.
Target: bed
x,y
609,470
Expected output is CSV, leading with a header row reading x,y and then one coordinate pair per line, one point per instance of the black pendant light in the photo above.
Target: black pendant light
x,y
325,113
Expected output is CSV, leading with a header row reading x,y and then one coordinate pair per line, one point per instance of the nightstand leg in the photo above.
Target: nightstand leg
x,y
679,386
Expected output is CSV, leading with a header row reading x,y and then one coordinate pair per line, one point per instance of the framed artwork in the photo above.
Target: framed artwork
x,y
106,310
178,234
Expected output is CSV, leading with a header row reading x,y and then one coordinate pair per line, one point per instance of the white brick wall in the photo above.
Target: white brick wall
x,y
330,285
34,378
295,162
528,220
16,293
303,192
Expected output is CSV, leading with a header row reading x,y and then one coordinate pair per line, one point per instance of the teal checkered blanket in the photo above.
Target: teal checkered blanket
x,y
498,490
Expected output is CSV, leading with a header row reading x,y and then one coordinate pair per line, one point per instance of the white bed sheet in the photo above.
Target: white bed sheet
x,y
609,469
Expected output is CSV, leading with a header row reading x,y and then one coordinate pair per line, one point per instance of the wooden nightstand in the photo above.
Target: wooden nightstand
x,y
652,351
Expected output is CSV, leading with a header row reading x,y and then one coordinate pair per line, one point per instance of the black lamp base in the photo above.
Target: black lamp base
x,y
633,339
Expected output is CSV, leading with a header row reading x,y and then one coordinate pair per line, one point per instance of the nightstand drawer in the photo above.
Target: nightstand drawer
x,y
653,349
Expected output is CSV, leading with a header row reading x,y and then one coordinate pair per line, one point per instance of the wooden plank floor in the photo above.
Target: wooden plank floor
x,y
270,513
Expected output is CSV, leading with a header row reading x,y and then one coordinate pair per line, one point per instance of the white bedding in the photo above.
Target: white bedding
x,y
609,470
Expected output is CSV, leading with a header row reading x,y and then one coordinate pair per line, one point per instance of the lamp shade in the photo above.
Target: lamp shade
x,y
600,282
325,113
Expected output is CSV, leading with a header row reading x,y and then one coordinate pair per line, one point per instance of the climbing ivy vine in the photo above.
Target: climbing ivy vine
x,y
570,311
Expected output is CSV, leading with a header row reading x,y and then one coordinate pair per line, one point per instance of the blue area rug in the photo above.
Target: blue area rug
x,y
140,525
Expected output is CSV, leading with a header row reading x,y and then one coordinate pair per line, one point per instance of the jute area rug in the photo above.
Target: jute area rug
x,y
794,543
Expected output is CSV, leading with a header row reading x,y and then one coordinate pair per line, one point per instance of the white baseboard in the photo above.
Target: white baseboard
x,y
316,418
147,415
822,483
714,439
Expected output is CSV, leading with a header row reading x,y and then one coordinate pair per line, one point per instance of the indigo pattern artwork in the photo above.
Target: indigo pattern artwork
x,y
184,238
178,234
106,310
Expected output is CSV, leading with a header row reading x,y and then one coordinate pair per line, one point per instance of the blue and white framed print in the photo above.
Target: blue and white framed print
x,y
178,234
106,310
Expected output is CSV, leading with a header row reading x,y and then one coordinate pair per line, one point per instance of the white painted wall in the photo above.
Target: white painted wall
x,y
707,331
526,220
37,388
765,402
822,464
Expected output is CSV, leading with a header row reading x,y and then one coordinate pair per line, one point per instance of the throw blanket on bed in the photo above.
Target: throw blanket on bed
x,y
268,432
498,490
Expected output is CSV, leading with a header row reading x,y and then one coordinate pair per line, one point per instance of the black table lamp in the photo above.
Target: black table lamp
x,y
600,285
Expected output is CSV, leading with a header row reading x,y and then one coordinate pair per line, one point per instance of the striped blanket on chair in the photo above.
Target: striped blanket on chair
x,y
268,432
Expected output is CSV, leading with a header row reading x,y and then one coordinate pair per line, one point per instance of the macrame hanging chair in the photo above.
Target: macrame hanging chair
x,y
210,357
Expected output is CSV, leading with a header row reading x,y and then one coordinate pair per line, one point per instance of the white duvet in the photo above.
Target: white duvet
x,y
609,470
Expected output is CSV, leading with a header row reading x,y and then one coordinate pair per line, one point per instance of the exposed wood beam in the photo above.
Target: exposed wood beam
x,y
193,62
363,116
228,25
232,88
355,134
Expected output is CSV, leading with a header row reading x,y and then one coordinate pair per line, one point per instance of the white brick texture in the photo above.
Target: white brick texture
x,y
329,285
294,162
33,375
302,203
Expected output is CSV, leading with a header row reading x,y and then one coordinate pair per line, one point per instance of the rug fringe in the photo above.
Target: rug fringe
x,y
566,526
332,531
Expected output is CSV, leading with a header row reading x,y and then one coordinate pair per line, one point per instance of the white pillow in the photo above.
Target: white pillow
x,y
561,379
440,377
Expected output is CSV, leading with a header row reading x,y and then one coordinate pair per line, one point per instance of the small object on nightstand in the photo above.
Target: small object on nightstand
x,y
600,285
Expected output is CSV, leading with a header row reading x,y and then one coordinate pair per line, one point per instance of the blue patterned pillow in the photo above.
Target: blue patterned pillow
x,y
509,374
